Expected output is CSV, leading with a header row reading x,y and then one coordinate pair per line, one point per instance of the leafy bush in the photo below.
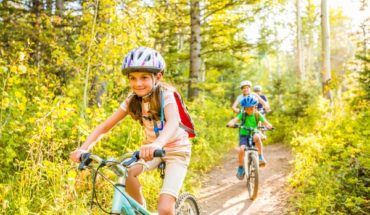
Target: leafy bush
x,y
331,167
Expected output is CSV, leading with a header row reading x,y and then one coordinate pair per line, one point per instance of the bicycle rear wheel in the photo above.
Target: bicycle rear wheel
x,y
252,177
186,204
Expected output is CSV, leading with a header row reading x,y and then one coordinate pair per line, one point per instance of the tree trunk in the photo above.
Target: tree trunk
x,y
310,56
363,28
60,7
49,6
326,67
37,8
89,54
300,57
195,46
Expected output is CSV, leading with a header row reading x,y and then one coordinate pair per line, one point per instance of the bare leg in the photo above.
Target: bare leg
x,y
166,204
133,186
257,140
241,155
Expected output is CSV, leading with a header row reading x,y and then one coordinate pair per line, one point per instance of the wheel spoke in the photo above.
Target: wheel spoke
x,y
186,205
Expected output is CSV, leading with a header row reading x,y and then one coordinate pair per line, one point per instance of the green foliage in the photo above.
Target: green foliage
x,y
364,77
291,101
331,166
60,77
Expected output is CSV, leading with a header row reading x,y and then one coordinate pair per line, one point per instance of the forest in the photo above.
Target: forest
x,y
60,77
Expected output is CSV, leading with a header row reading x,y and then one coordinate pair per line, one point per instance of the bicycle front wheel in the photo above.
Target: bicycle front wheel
x,y
186,204
252,177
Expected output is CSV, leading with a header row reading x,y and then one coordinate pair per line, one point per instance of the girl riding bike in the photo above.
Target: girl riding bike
x,y
144,68
249,118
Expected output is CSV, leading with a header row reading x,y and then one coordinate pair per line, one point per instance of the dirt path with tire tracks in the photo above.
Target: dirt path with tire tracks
x,y
224,194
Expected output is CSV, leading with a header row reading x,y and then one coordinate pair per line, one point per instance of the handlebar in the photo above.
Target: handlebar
x,y
242,126
136,156
87,158
263,128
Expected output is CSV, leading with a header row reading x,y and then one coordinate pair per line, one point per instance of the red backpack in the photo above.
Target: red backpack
x,y
186,123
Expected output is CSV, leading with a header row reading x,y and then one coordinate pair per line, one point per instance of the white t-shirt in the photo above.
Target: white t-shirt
x,y
179,141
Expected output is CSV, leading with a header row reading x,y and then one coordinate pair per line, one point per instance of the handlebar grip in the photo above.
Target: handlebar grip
x,y
84,156
136,156
85,161
159,153
234,126
266,129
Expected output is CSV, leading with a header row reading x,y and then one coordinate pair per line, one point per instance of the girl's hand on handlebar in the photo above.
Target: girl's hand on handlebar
x,y
76,154
147,151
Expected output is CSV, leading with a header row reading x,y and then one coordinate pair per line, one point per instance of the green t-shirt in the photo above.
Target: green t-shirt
x,y
250,121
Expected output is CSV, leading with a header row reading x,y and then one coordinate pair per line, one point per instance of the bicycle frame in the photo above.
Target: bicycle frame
x,y
250,150
122,203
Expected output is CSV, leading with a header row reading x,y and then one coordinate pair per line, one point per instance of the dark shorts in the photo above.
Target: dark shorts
x,y
243,140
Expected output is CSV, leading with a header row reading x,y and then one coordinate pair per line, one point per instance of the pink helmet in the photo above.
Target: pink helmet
x,y
143,59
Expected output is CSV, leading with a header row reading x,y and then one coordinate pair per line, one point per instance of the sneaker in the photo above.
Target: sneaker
x,y
262,161
240,173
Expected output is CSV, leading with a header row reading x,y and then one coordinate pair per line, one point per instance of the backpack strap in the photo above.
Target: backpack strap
x,y
186,128
243,118
257,115
185,120
156,128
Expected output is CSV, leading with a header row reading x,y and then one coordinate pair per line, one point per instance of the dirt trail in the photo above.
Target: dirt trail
x,y
223,193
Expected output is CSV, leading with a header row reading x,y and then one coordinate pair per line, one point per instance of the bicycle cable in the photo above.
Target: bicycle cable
x,y
108,180
95,174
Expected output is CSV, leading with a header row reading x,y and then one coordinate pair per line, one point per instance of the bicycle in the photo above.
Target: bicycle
x,y
251,162
122,203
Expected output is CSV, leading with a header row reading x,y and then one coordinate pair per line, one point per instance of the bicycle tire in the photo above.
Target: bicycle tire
x,y
252,177
186,204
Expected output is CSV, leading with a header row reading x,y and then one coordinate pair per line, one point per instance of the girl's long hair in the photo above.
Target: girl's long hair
x,y
134,107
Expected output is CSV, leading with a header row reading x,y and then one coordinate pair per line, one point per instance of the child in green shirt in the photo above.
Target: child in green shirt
x,y
251,119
